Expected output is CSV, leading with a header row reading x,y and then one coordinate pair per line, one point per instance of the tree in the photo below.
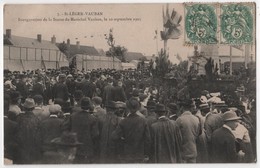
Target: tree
x,y
64,49
163,64
115,51
118,52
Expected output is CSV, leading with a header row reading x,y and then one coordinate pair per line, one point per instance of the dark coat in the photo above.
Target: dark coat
x,y
107,94
135,132
88,89
28,138
60,90
38,89
53,157
118,94
223,146
151,118
22,88
108,153
71,86
10,138
50,128
86,127
166,142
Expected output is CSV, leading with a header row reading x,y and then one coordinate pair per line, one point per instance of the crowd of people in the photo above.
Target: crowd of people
x,y
110,116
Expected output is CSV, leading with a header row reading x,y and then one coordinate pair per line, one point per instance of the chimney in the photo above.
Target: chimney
x,y
68,42
78,45
53,40
8,33
39,37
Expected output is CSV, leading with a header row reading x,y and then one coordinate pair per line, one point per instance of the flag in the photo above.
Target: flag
x,y
171,24
164,17
178,57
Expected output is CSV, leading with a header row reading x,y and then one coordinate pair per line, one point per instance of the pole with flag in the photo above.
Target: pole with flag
x,y
156,38
171,24
230,63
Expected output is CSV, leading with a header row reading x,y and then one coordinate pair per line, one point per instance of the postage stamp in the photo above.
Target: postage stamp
x,y
201,24
236,24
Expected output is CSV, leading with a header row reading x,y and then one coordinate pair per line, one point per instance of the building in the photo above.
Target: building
x,y
130,56
222,56
23,53
88,57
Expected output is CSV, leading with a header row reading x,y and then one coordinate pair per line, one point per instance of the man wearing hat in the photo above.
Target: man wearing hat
x,y
77,96
51,127
213,121
21,87
60,89
40,111
86,127
151,115
71,87
108,124
118,93
135,132
28,134
190,128
14,109
224,148
173,110
166,139
99,111
202,144
38,88
67,111
66,148
107,93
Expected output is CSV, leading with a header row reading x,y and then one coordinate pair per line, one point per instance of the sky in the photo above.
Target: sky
x,y
136,36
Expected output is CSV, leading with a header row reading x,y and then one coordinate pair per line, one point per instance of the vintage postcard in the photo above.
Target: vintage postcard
x,y
130,83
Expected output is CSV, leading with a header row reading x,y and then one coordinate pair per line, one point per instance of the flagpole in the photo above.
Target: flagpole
x,y
230,64
157,41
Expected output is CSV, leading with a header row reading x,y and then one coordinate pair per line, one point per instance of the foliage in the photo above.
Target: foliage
x,y
118,52
163,64
64,49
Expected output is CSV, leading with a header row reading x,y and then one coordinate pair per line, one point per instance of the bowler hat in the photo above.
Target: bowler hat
x,y
67,139
120,104
66,107
133,104
111,104
62,76
29,103
85,103
230,116
135,93
204,106
150,104
172,106
160,108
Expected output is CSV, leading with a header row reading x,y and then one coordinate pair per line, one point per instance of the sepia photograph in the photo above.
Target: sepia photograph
x,y
129,83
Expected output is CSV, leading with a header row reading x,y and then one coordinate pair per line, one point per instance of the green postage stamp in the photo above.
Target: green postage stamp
x,y
236,24
228,23
201,24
